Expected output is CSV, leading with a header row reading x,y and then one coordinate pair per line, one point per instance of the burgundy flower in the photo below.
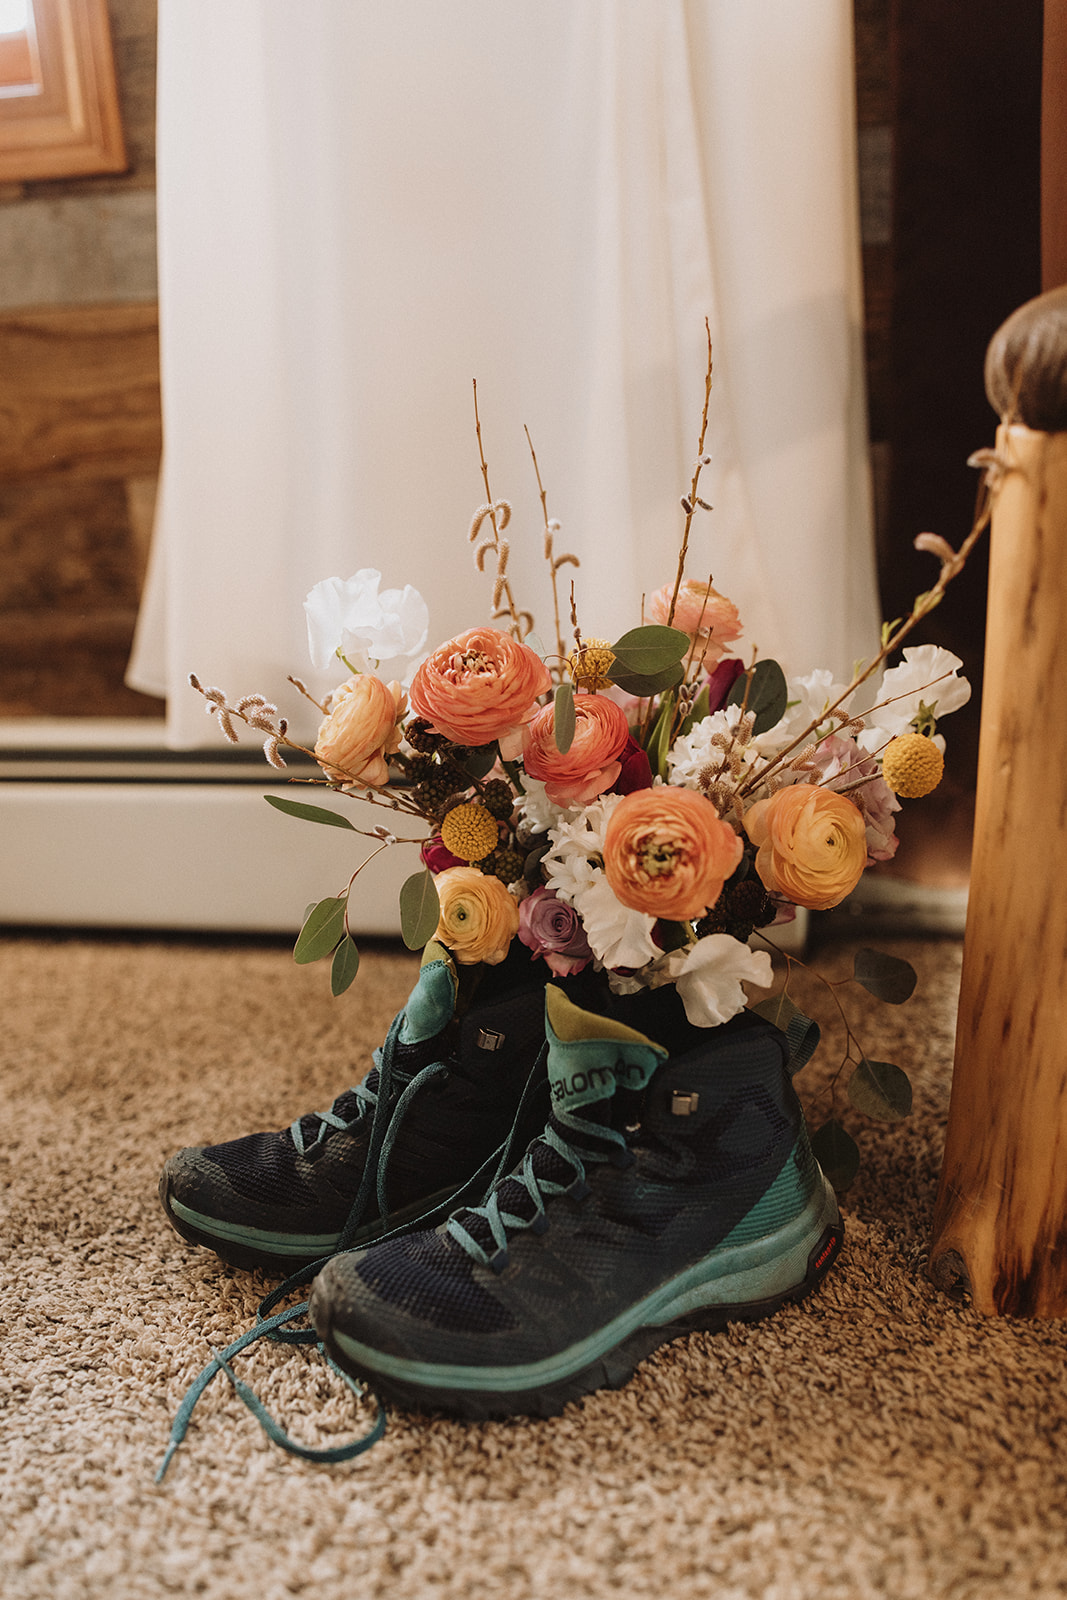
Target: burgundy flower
x,y
636,772
436,855
722,680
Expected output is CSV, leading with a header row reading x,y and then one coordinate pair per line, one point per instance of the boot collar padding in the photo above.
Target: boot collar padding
x,y
432,1003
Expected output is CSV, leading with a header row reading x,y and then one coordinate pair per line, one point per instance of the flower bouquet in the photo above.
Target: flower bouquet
x,y
650,806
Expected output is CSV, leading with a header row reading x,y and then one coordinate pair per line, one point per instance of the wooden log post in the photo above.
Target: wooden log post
x,y
1000,1222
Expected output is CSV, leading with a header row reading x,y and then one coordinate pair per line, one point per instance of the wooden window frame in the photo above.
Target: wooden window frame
x,y
70,125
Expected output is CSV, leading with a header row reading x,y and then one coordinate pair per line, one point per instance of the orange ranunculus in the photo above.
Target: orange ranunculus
x,y
591,765
812,844
701,612
360,730
478,917
479,687
668,853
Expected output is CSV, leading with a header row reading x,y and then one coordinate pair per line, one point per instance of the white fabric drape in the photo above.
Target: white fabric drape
x,y
364,206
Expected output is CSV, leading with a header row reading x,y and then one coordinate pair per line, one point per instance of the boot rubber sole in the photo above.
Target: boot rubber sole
x,y
737,1282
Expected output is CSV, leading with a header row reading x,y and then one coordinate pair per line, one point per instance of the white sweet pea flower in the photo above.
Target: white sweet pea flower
x,y
927,676
709,982
373,631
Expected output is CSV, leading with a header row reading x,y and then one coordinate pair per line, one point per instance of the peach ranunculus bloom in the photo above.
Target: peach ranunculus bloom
x,y
478,687
668,853
361,728
591,765
478,917
811,844
701,612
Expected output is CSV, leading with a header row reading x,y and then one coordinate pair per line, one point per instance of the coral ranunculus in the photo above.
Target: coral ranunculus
x,y
360,730
592,764
478,917
811,844
701,612
668,853
478,687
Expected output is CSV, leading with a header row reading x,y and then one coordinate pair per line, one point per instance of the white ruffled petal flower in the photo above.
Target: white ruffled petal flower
x,y
618,937
373,628
709,983
927,676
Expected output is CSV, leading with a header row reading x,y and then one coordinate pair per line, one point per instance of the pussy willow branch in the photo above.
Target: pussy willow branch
x,y
922,607
505,585
692,499
554,561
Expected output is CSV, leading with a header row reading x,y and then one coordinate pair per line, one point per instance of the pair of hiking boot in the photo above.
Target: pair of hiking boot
x,y
533,1189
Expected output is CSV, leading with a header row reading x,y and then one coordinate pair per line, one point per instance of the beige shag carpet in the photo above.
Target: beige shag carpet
x,y
878,1440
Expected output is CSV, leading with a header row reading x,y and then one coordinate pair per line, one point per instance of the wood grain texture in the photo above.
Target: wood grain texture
x,y
79,391
1000,1224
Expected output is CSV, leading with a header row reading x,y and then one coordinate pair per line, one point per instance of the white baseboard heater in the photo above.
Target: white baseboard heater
x,y
103,827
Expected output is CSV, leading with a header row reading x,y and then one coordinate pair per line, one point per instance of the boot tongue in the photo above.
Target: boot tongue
x,y
432,1003
590,1056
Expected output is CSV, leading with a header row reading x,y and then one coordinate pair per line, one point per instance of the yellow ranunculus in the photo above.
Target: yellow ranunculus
x,y
812,844
478,917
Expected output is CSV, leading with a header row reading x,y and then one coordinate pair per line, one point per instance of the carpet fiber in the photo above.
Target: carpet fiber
x,y
877,1440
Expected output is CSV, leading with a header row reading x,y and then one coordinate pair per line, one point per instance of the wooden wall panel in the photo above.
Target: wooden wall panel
x,y
80,440
79,391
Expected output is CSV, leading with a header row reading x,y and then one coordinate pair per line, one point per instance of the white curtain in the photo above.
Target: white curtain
x,y
364,206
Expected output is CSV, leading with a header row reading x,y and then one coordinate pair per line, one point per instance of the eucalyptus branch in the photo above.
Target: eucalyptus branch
x,y
850,1038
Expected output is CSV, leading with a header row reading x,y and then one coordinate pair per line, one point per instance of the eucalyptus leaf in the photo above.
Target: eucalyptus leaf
x,y
837,1154
880,1090
345,965
768,695
886,977
297,808
533,642
323,928
420,910
563,718
649,649
644,685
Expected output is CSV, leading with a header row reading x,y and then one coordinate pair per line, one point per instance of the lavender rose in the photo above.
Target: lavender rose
x,y
551,928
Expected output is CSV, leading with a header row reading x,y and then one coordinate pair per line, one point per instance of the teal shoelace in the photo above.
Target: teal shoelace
x,y
606,1145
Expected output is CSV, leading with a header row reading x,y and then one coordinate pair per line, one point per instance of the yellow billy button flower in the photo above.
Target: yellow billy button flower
x,y
469,832
590,667
912,765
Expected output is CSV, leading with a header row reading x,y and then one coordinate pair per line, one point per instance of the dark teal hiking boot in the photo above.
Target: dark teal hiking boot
x,y
453,1093
672,1189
